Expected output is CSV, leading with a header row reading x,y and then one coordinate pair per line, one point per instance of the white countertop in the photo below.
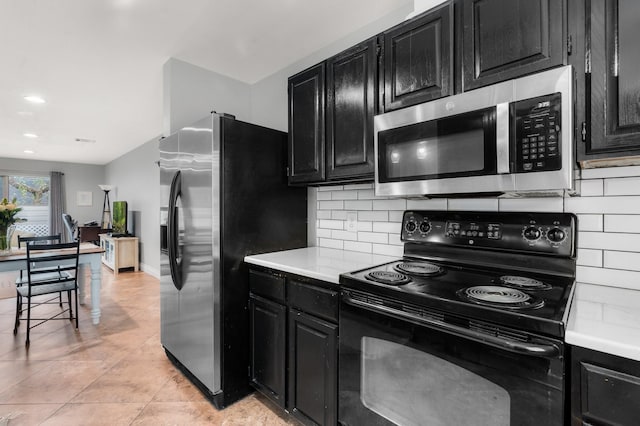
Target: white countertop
x,y
605,319
321,263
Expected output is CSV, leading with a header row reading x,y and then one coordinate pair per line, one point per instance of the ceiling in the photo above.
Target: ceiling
x,y
98,63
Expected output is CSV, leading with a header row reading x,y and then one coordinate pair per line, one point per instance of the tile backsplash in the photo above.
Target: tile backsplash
x,y
608,212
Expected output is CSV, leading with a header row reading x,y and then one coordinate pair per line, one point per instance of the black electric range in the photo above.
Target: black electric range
x,y
511,269
466,328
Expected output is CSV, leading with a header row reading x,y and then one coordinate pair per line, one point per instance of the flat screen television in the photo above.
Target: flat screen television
x,y
119,219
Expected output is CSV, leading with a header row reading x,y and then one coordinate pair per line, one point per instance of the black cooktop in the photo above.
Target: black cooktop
x,y
531,301
513,269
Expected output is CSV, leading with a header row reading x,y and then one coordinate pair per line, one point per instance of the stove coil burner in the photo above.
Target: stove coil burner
x,y
388,277
423,269
502,297
523,283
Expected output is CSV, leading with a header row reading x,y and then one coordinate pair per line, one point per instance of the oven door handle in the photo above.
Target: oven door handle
x,y
543,350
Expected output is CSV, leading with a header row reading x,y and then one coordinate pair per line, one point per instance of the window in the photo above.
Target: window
x,y
32,194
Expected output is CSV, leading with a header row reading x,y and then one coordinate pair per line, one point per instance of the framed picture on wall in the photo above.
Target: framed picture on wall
x,y
84,198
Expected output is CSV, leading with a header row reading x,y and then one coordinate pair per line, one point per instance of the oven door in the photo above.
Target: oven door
x,y
399,367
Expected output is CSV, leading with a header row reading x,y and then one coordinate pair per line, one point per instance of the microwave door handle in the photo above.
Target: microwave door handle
x,y
502,138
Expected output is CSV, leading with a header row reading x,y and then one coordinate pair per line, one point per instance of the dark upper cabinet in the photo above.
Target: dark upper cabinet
x,y
268,321
418,59
313,366
351,105
504,39
612,88
307,125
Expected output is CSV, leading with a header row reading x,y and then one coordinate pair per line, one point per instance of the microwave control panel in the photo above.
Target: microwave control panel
x,y
537,133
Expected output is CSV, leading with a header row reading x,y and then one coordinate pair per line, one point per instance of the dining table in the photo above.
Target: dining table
x,y
90,256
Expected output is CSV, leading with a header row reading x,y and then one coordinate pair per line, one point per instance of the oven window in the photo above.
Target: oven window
x,y
407,386
462,145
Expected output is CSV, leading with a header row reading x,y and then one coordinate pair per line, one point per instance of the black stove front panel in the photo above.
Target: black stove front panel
x,y
535,233
445,292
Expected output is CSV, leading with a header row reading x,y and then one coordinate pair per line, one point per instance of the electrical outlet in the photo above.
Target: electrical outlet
x,y
352,221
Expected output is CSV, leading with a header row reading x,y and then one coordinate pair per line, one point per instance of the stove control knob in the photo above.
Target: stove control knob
x,y
556,235
425,227
410,226
531,233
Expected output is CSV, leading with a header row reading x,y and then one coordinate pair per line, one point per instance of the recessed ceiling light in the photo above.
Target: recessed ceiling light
x,y
30,135
34,99
28,151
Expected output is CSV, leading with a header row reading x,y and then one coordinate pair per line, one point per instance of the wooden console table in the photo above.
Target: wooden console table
x,y
119,252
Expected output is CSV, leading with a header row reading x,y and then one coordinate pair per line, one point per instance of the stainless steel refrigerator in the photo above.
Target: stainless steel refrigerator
x,y
224,195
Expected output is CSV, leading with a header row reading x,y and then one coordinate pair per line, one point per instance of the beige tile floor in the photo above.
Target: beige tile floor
x,y
115,373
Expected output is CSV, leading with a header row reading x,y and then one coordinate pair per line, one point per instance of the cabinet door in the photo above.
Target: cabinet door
x,y
351,105
605,389
418,63
504,39
613,86
313,370
268,348
306,125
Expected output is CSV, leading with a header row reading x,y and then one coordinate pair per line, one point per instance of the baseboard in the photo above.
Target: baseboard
x,y
150,270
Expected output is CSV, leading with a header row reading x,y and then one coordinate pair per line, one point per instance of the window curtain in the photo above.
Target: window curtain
x,y
56,205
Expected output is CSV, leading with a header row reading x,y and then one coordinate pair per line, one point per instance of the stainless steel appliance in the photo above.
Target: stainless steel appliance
x,y
224,195
466,329
514,137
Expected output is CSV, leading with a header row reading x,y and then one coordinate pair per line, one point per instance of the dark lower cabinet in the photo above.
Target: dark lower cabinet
x,y
605,389
294,344
611,126
313,366
504,39
268,322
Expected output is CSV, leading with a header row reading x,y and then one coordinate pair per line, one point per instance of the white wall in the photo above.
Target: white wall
x,y
77,177
136,176
191,92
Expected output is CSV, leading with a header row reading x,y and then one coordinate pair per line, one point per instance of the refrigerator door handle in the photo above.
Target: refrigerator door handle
x,y
175,261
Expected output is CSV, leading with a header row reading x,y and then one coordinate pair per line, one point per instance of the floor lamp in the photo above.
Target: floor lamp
x,y
106,207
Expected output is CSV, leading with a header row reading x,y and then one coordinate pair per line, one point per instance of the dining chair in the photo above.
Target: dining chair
x,y
22,242
71,226
51,269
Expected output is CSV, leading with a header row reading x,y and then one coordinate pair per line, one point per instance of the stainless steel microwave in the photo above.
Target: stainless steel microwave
x,y
513,137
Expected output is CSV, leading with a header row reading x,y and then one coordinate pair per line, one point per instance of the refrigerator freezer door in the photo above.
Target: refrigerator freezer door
x,y
199,247
169,294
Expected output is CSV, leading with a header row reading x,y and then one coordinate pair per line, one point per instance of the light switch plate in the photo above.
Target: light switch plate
x,y
352,221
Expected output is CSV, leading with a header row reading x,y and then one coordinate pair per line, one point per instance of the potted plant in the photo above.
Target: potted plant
x,y
8,212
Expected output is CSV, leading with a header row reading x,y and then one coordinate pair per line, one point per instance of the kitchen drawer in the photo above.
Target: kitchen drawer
x,y
318,301
267,285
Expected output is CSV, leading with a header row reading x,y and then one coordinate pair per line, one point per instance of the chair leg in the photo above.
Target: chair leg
x,y
28,320
69,302
75,294
60,299
18,312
